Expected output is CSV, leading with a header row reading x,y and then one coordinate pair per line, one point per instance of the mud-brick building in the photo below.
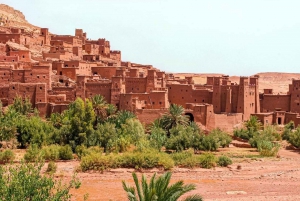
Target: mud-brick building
x,y
280,108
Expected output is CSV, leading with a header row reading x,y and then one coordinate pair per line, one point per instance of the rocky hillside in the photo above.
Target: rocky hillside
x,y
9,17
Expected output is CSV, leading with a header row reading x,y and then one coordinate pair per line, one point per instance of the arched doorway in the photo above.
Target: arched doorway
x,y
190,116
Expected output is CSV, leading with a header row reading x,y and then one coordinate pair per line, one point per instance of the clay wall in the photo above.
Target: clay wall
x,y
9,58
65,56
94,87
57,108
4,95
39,74
226,122
5,76
147,116
104,72
91,49
115,55
18,75
24,55
57,98
135,85
289,116
70,92
75,41
270,102
295,96
3,49
265,118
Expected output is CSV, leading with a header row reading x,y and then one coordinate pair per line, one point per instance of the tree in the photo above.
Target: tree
x,y
100,106
159,189
174,117
253,124
25,182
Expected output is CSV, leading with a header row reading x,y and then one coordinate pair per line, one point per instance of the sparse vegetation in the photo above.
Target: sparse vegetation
x,y
159,189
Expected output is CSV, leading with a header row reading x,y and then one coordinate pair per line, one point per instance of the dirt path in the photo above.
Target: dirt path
x,y
258,179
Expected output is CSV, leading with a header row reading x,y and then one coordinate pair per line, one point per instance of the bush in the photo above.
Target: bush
x,y
207,160
83,151
268,134
186,159
7,156
224,161
25,182
243,134
65,153
51,168
267,148
211,142
51,152
33,153
137,160
294,138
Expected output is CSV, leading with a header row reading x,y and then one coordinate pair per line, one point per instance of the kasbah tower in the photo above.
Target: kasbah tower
x,y
53,70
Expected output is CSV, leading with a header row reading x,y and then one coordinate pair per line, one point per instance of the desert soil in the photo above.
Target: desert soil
x,y
258,178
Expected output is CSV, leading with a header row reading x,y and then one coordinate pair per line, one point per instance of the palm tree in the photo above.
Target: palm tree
x,y
158,189
100,106
174,117
253,124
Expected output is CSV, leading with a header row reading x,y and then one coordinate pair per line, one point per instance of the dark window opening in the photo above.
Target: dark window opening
x,y
190,116
279,120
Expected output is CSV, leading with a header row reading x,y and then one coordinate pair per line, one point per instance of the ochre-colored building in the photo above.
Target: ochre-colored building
x,y
53,70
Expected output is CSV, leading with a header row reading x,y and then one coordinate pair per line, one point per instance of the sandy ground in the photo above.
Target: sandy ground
x,y
258,179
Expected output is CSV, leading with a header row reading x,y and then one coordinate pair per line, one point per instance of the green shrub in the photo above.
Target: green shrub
x,y
243,133
265,135
65,153
51,152
207,160
267,148
25,182
294,138
33,153
185,159
51,168
7,156
137,160
224,161
96,161
83,151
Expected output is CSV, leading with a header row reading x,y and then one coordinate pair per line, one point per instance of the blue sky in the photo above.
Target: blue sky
x,y
235,37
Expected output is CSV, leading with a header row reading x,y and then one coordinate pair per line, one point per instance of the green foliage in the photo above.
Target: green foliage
x,y
186,159
33,153
211,142
294,138
83,151
174,117
51,168
288,129
51,152
243,133
33,130
20,106
182,138
208,160
253,124
137,160
157,138
224,161
6,156
158,189
65,153
8,123
25,182
269,134
267,148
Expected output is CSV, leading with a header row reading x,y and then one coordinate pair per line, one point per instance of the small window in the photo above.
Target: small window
x,y
41,87
153,103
